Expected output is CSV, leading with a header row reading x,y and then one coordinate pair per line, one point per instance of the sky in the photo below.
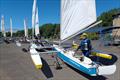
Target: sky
x,y
48,10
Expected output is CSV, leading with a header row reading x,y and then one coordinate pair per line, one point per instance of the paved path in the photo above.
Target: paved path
x,y
17,65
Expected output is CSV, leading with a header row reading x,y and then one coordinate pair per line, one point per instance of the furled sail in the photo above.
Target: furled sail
x,y
76,15
25,29
11,33
33,16
37,23
35,19
3,26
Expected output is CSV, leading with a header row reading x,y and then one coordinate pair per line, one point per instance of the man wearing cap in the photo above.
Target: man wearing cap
x,y
85,45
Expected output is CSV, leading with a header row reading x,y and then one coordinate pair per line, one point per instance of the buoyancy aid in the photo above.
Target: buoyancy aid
x,y
85,45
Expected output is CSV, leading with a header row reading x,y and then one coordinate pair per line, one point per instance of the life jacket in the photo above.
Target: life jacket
x,y
85,45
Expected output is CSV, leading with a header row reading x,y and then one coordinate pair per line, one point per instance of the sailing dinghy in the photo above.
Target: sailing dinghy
x,y
76,17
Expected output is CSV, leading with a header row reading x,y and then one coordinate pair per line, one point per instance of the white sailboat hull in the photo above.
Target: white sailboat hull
x,y
85,66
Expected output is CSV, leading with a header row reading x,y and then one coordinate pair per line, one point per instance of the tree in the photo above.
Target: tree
x,y
107,17
49,30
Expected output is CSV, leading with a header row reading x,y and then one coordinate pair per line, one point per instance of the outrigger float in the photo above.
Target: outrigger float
x,y
35,56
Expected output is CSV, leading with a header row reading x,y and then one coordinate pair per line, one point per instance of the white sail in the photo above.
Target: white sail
x,y
3,26
33,16
25,29
11,27
37,23
76,15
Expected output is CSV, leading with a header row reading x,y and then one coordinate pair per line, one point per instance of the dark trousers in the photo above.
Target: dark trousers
x,y
86,52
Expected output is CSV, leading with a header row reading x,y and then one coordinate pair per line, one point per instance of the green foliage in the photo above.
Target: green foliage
x,y
29,32
46,31
8,34
20,33
107,17
50,30
93,36
1,34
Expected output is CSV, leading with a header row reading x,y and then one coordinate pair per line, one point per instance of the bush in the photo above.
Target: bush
x,y
93,36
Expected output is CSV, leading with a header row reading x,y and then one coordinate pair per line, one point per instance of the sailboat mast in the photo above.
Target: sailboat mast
x,y
11,27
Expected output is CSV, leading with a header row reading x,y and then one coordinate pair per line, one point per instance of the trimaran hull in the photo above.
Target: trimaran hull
x,y
36,58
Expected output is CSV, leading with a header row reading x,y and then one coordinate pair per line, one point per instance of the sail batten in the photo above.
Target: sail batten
x,y
76,15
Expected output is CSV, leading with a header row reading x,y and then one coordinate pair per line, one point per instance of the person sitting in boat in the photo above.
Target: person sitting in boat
x,y
85,45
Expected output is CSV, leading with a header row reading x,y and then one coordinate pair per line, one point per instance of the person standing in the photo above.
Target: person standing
x,y
85,45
